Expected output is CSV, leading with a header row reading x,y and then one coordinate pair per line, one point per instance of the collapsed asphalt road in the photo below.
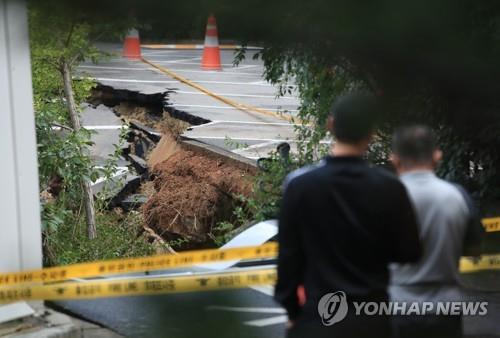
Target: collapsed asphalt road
x,y
254,134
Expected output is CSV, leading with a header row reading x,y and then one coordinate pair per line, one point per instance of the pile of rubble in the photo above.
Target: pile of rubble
x,y
183,187
194,192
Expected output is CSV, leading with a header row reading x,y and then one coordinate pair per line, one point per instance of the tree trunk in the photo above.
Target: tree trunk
x,y
88,197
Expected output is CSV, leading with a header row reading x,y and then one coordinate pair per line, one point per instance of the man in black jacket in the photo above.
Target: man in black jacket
x,y
341,222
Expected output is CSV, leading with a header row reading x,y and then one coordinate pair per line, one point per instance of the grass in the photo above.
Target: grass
x,y
119,236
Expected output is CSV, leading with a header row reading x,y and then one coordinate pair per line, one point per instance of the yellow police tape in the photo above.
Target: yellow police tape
x,y
159,285
94,289
150,286
135,287
474,264
491,224
118,266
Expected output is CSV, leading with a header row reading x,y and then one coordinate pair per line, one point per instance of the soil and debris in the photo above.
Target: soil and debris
x,y
194,193
167,147
161,122
184,192
147,109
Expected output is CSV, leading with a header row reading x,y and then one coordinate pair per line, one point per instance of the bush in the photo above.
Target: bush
x,y
120,236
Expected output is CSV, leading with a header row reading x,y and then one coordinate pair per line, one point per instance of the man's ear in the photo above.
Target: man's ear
x,y
397,163
437,156
395,160
330,123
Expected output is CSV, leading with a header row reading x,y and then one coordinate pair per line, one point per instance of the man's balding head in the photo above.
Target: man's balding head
x,y
415,147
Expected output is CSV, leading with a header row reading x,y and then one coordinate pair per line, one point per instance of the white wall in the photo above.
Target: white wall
x,y
20,234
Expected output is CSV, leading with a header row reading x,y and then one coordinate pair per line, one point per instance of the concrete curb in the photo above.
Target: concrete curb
x,y
213,151
196,46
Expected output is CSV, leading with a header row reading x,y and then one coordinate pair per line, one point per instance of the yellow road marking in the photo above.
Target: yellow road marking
x,y
239,106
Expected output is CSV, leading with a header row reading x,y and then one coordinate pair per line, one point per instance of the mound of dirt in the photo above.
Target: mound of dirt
x,y
193,193
163,150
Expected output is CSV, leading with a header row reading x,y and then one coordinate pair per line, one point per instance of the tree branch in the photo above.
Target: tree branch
x,y
68,39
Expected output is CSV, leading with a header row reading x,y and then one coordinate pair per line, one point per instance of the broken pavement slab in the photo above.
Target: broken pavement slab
x,y
117,188
106,129
133,202
150,132
139,164
112,97
130,185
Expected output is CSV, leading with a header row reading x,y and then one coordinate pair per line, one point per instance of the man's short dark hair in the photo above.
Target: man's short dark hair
x,y
355,115
414,144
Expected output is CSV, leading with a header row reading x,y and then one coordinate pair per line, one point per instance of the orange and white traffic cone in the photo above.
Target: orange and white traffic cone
x,y
211,52
132,45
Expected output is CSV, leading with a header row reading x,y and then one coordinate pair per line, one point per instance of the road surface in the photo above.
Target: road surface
x,y
252,134
242,313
